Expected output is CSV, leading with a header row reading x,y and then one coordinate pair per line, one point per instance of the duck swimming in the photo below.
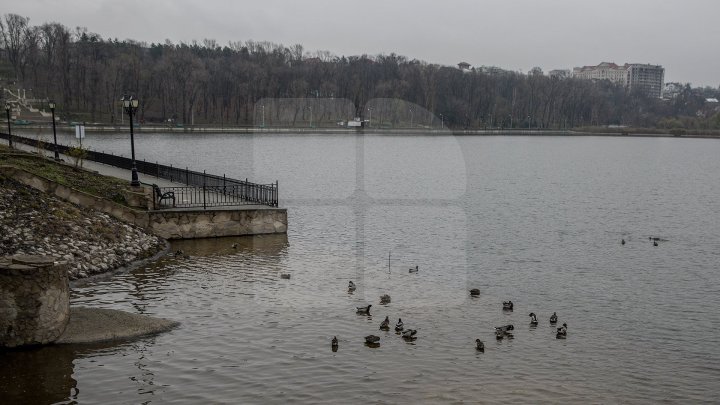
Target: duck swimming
x,y
385,325
562,332
384,299
285,276
372,340
533,319
508,305
479,345
351,286
475,292
415,270
622,241
409,334
334,343
364,310
553,319
399,325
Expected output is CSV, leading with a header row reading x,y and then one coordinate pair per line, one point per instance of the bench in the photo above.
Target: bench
x,y
170,195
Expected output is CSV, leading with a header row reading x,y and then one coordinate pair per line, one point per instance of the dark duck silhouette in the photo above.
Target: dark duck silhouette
x,y
372,340
622,241
479,345
502,332
351,286
562,332
364,310
385,325
399,325
553,319
409,334
334,344
508,305
475,292
415,270
384,299
533,319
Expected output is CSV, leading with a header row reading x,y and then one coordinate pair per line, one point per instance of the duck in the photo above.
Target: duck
x,y
553,319
385,325
409,334
234,245
399,325
285,276
622,241
499,334
479,345
655,243
475,292
504,329
351,286
334,343
364,310
533,319
372,340
415,270
384,299
508,305
562,332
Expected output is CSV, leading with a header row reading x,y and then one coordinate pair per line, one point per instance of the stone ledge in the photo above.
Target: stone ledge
x,y
95,325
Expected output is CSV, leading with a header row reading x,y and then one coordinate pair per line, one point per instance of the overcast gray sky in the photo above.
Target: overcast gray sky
x,y
681,35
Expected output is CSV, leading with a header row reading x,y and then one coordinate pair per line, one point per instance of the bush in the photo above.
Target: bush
x,y
78,153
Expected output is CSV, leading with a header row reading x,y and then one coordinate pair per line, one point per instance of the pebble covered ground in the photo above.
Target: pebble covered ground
x,y
90,241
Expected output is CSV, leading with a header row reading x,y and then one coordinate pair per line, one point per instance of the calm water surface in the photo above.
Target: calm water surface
x,y
537,220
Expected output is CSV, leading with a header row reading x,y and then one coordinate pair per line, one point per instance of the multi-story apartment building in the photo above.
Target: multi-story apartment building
x,y
634,76
645,78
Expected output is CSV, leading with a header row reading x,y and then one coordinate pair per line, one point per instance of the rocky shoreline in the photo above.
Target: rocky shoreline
x,y
91,242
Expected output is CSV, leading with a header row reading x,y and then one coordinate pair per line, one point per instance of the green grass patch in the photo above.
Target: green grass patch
x,y
98,185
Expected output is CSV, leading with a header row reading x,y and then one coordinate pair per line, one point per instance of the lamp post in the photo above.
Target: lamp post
x,y
7,112
369,116
131,105
411,117
442,121
51,104
263,115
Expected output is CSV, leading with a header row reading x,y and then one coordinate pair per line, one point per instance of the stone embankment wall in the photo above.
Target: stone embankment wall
x,y
34,300
179,224
169,224
89,241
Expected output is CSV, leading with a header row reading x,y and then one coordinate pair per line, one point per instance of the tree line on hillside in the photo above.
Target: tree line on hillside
x,y
205,83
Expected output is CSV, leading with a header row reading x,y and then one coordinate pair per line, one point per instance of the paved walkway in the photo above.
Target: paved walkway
x,y
119,173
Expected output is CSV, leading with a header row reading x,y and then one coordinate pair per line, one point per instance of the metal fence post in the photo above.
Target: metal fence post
x,y
187,176
204,205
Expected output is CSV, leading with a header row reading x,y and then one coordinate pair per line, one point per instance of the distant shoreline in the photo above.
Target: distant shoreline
x,y
592,131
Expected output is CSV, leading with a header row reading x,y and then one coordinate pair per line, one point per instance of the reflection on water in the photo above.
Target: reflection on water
x,y
37,375
534,220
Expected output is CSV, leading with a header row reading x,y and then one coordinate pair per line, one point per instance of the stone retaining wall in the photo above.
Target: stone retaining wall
x,y
34,300
186,224
168,224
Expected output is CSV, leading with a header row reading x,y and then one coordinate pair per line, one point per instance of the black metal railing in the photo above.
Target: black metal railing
x,y
242,192
200,197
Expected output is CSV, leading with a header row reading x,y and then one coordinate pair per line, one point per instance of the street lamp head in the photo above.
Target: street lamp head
x,y
7,107
134,103
51,104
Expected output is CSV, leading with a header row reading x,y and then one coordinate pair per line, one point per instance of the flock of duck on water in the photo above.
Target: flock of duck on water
x,y
501,332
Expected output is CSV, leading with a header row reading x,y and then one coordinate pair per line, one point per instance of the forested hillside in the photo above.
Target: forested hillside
x,y
209,83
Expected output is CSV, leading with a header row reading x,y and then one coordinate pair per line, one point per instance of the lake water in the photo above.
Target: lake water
x,y
535,220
